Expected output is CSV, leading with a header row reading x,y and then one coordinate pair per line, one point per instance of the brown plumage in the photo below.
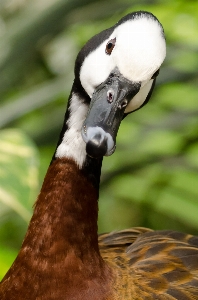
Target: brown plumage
x,y
61,257
152,264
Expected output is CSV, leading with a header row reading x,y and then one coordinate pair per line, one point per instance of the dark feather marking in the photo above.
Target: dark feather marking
x,y
178,294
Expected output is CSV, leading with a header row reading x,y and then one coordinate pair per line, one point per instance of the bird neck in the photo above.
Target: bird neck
x,y
66,211
60,254
71,144
61,244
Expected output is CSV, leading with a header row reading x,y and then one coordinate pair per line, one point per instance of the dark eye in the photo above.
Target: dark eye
x,y
155,74
110,45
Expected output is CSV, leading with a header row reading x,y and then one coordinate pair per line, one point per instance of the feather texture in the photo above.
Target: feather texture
x,y
152,264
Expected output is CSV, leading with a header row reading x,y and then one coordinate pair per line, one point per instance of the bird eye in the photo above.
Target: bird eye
x,y
155,74
110,45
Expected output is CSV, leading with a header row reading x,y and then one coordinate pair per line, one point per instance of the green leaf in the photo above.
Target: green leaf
x,y
18,172
7,256
18,188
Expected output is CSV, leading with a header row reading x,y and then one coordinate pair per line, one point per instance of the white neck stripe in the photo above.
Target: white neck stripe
x,y
72,145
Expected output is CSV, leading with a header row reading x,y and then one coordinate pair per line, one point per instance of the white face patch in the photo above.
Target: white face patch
x,y
139,98
95,69
139,51
72,144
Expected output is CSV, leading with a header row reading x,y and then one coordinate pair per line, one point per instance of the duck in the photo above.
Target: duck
x,y
62,257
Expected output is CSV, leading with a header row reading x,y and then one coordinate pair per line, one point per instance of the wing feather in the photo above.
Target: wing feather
x,y
150,264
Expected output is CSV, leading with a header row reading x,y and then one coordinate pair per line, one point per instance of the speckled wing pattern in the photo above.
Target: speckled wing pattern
x,y
148,264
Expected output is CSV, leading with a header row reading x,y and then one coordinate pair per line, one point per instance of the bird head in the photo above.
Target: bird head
x,y
117,69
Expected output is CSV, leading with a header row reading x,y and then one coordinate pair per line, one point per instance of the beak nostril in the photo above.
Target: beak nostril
x,y
110,95
123,104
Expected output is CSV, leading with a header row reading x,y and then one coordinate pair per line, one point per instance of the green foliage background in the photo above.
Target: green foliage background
x,y
152,178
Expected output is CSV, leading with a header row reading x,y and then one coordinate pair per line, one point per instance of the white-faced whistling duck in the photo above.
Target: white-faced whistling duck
x,y
61,257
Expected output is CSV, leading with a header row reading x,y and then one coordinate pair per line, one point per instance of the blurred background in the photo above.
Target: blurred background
x,y
152,178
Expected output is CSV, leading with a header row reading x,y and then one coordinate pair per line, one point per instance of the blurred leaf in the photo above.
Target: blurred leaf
x,y
179,95
18,188
18,172
7,256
